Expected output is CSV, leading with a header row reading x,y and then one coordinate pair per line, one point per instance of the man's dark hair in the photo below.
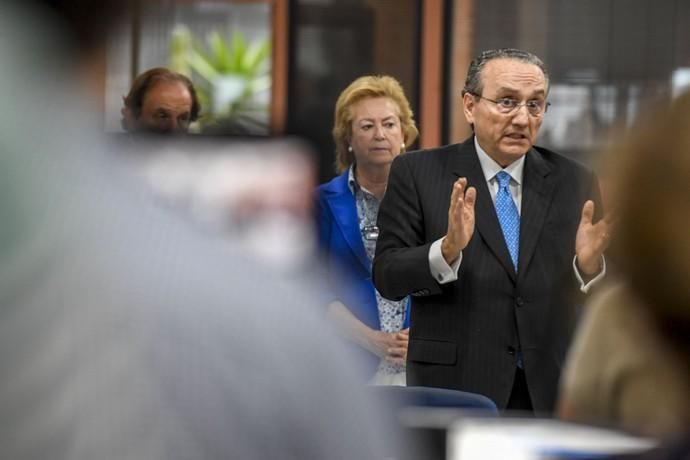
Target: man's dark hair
x,y
474,83
147,80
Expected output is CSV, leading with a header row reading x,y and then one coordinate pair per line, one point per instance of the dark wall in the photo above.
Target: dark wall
x,y
331,45
610,60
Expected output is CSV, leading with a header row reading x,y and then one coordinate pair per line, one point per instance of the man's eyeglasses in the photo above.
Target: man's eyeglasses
x,y
507,105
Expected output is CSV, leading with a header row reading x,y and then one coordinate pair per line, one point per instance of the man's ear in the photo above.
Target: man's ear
x,y
468,103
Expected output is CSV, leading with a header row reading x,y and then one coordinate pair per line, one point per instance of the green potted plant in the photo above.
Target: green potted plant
x,y
232,78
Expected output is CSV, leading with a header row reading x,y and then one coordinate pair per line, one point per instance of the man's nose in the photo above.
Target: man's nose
x,y
521,115
176,127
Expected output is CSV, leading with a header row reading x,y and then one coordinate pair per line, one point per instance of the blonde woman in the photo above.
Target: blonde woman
x,y
373,125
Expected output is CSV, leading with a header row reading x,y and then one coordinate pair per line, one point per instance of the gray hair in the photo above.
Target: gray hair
x,y
474,84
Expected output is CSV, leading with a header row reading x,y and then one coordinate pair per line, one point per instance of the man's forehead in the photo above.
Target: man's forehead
x,y
511,66
513,75
168,94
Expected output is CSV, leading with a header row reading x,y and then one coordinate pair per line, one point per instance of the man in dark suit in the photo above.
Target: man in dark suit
x,y
495,240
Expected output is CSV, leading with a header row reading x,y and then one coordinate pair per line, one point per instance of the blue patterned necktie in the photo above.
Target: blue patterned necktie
x,y
508,216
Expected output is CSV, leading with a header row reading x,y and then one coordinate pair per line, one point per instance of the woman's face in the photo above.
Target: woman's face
x,y
377,136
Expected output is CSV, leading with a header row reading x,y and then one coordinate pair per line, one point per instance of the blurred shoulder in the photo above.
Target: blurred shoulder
x,y
615,311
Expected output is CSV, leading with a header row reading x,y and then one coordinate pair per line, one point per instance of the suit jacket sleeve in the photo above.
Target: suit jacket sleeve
x,y
401,264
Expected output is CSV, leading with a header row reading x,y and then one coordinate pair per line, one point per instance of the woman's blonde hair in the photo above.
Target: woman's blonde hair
x,y
363,88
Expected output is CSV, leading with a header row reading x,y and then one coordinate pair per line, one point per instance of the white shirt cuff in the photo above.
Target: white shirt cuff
x,y
440,270
585,287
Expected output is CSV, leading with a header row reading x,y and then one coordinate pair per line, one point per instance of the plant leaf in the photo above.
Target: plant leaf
x,y
202,65
239,49
180,45
222,56
255,60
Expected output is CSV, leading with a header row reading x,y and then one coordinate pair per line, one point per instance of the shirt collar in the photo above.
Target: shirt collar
x,y
490,167
351,181
353,184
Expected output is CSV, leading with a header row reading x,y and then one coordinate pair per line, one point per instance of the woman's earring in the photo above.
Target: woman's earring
x,y
349,148
402,147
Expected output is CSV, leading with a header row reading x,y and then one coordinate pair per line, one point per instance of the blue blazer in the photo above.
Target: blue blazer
x,y
341,241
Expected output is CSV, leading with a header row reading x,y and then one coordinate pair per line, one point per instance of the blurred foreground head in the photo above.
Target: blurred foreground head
x,y
125,332
84,23
652,190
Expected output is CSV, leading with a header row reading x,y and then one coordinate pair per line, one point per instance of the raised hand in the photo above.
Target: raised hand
x,y
460,220
591,240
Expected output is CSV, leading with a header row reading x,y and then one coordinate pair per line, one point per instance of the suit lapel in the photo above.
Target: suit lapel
x,y
537,194
466,164
344,209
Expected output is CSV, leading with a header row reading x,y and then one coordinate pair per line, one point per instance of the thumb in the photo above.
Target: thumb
x,y
587,212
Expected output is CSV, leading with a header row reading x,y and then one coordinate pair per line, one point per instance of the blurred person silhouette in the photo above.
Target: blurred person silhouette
x,y
373,124
630,362
124,333
496,240
160,101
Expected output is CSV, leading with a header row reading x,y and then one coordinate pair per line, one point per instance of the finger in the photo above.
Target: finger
x,y
460,200
458,188
460,185
396,352
470,197
399,344
458,193
395,341
453,198
587,212
402,338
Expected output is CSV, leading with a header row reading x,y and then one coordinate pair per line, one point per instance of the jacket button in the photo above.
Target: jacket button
x,y
511,350
519,301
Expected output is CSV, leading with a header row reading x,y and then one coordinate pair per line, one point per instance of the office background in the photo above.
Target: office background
x,y
609,59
